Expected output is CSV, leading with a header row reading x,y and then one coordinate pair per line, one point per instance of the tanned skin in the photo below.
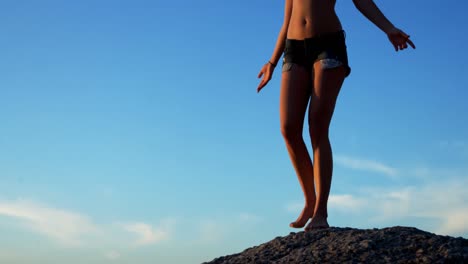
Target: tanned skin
x,y
305,19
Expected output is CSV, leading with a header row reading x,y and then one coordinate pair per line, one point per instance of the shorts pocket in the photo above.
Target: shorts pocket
x,y
287,66
330,63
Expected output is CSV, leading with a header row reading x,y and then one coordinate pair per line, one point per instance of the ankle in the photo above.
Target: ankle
x,y
321,215
310,203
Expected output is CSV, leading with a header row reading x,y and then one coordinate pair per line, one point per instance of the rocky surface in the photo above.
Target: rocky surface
x,y
348,245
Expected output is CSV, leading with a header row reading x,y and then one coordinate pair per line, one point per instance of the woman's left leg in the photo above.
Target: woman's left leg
x,y
327,85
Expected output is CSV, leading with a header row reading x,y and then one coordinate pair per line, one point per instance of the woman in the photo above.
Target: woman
x,y
314,67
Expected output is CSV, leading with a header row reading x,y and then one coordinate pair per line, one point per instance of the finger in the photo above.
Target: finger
x,y
260,86
260,74
411,43
396,46
406,36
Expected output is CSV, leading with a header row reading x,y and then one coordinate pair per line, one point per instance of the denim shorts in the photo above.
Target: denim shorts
x,y
328,48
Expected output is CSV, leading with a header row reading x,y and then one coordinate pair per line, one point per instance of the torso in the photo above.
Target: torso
x,y
312,17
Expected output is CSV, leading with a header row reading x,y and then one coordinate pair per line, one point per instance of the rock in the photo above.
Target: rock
x,y
348,245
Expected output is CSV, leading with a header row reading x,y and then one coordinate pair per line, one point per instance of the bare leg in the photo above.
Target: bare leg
x,y
327,85
294,97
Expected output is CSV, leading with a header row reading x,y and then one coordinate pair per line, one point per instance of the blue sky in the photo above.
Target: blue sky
x,y
131,131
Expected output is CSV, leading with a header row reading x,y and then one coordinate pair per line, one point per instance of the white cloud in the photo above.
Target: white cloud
x,y
112,255
248,217
366,165
455,222
444,201
390,204
146,234
66,227
345,202
426,173
294,207
463,144
457,147
70,228
211,231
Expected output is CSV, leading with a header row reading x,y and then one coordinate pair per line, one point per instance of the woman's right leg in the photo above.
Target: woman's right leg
x,y
296,88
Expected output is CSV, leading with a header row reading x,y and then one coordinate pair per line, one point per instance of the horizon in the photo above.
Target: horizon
x,y
132,129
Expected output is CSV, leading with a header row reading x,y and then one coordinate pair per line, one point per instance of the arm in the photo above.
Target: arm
x,y
268,68
373,13
279,47
398,38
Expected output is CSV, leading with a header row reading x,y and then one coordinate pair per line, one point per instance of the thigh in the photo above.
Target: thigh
x,y
327,85
296,87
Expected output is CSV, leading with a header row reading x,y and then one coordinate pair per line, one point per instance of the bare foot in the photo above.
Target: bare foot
x,y
305,215
317,222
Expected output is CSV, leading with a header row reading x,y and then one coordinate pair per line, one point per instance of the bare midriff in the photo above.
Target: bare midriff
x,y
312,17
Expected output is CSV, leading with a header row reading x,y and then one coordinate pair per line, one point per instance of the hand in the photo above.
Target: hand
x,y
399,39
267,72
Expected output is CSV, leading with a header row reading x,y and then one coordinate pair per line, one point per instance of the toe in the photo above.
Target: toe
x,y
295,225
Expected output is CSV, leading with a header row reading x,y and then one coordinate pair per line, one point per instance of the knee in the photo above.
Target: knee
x,y
318,128
318,136
291,132
318,119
